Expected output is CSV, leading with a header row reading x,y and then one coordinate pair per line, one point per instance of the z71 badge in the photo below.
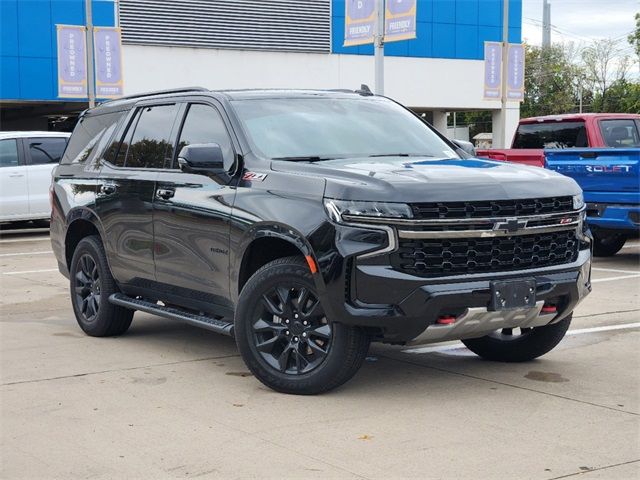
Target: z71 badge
x,y
254,177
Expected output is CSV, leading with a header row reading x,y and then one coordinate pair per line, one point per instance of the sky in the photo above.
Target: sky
x,y
581,21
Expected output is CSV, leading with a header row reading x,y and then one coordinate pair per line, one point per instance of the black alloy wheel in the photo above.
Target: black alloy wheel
x,y
90,285
285,335
290,329
87,288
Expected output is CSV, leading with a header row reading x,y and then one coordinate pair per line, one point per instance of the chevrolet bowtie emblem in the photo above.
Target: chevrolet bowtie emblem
x,y
510,225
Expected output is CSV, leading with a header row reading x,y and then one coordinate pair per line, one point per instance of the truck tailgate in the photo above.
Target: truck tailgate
x,y
524,156
609,175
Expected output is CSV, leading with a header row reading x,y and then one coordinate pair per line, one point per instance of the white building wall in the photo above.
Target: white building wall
x,y
428,83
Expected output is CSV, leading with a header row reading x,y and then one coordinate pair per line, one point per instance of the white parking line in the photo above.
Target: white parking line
x,y
20,240
632,245
615,270
611,279
30,271
577,331
44,252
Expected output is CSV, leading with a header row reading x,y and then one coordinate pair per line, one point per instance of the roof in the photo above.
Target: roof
x,y
231,94
577,116
484,136
5,135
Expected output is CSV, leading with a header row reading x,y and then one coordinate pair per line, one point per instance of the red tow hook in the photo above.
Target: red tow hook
x,y
446,320
549,309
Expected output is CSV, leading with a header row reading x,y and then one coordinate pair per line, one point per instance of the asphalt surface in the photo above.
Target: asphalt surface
x,y
172,401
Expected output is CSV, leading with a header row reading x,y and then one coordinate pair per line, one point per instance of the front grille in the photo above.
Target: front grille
x,y
460,256
493,208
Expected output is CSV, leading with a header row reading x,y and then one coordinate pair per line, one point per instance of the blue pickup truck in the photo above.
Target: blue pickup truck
x,y
610,180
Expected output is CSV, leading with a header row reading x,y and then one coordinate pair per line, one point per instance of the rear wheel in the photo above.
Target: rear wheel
x,y
91,286
286,339
518,344
606,245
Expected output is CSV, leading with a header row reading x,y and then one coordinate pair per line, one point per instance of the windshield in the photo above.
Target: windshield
x,y
321,128
551,135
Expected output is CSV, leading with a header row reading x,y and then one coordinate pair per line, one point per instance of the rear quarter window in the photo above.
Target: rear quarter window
x,y
88,134
620,133
551,135
43,150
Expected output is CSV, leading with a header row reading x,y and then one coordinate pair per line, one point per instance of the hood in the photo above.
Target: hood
x,y
402,179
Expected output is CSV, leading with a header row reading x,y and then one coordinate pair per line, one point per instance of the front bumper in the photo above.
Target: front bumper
x,y
397,307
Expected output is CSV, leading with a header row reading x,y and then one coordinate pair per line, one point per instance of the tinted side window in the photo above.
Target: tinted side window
x,y
151,145
45,150
87,133
204,124
551,135
8,153
619,133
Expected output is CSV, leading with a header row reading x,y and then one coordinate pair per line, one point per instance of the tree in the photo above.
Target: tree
x,y
634,37
551,80
604,66
622,96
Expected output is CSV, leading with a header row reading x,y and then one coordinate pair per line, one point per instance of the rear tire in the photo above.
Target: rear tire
x,y
531,344
284,336
607,245
91,285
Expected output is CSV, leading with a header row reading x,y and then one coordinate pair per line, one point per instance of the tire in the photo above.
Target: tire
x,y
282,351
607,245
531,343
91,284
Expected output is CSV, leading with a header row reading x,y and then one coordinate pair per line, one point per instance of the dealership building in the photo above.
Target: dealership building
x,y
222,44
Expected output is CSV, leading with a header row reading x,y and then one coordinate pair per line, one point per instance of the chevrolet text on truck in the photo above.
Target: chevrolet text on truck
x,y
308,224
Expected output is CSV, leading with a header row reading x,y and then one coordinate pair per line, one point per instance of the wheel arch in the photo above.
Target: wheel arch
x,y
266,243
81,223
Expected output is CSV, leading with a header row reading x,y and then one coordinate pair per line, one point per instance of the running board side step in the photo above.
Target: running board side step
x,y
202,321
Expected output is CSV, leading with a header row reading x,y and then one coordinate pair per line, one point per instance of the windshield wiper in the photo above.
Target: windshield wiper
x,y
400,155
310,158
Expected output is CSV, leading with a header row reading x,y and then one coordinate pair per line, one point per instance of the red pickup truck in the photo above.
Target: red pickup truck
x,y
583,130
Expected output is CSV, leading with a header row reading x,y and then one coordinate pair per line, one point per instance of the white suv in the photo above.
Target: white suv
x,y
26,162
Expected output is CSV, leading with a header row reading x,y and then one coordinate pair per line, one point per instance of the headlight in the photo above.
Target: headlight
x,y
578,201
349,210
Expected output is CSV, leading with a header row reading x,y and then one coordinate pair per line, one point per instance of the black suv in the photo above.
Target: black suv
x,y
309,223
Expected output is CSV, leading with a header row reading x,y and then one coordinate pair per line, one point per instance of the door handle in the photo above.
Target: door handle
x,y
165,193
16,175
108,189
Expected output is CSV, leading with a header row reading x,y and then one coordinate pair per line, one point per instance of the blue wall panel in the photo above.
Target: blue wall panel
x,y
9,28
9,77
444,11
34,25
467,12
28,62
445,29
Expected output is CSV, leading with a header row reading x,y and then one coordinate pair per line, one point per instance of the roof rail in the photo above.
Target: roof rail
x,y
158,92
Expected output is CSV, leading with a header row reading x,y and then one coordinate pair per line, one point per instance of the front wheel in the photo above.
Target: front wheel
x,y
607,245
286,339
518,345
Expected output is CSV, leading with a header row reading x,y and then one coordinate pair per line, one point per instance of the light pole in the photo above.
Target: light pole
x,y
91,80
378,45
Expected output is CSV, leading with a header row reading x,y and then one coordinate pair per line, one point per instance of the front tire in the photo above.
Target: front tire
x,y
284,336
91,285
607,245
507,346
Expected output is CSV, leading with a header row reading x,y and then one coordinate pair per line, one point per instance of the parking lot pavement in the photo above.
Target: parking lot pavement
x,y
171,401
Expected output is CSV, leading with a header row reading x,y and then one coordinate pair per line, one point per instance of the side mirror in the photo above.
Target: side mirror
x,y
201,157
466,147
